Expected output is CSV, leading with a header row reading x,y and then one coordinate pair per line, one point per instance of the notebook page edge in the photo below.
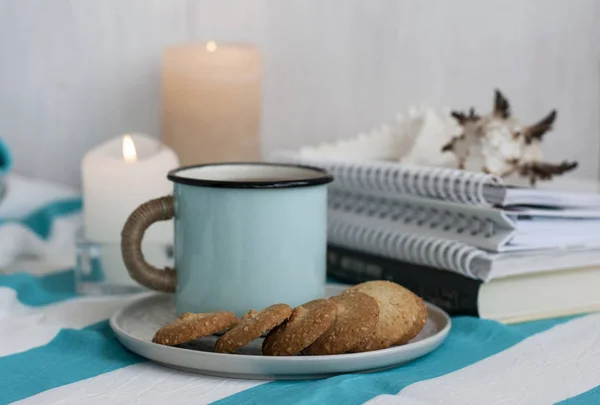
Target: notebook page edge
x,y
512,263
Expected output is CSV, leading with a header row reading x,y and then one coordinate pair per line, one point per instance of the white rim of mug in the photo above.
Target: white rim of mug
x,y
324,178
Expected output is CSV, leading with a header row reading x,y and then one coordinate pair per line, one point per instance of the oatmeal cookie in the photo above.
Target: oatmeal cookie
x,y
251,326
307,323
357,315
402,314
190,326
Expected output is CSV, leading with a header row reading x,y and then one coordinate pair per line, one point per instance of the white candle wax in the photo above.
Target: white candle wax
x,y
211,101
118,176
113,186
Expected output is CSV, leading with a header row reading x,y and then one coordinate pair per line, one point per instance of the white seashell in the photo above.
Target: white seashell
x,y
418,135
499,144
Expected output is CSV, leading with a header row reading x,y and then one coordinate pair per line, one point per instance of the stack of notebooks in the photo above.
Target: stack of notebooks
x,y
463,240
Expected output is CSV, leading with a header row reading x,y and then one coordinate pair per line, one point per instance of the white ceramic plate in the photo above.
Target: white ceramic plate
x,y
135,325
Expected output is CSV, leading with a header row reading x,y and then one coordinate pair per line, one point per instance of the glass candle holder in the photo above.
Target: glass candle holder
x,y
100,270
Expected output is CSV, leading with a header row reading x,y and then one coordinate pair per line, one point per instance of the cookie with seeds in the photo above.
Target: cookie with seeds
x,y
357,315
402,314
419,318
305,325
190,326
251,326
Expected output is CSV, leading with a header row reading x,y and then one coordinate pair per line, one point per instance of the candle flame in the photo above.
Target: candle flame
x,y
129,153
211,46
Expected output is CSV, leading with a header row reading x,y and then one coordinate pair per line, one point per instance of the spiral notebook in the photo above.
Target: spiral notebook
x,y
492,229
452,255
467,222
452,185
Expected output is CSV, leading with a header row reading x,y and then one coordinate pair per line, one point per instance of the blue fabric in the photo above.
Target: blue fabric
x,y
73,355
36,291
41,220
470,340
587,398
6,160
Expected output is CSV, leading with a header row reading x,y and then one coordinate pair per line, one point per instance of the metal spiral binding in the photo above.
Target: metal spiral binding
x,y
432,182
410,214
428,251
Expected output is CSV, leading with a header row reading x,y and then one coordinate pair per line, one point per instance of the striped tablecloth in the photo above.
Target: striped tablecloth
x,y
57,348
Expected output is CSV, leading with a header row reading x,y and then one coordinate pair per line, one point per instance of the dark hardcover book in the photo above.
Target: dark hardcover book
x,y
453,292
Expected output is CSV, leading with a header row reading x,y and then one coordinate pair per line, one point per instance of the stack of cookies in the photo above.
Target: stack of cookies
x,y
369,316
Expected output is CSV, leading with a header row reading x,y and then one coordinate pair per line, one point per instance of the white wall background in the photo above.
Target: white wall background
x,y
74,73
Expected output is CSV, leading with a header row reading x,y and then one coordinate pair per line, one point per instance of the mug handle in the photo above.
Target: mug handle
x,y
159,209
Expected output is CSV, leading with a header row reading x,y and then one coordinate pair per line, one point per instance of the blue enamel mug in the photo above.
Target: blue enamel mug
x,y
247,235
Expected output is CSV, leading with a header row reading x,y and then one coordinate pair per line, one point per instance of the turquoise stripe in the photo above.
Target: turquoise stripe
x,y
589,397
73,355
44,290
41,220
469,341
6,159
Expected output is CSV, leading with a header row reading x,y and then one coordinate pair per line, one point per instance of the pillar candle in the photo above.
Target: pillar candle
x,y
118,176
211,102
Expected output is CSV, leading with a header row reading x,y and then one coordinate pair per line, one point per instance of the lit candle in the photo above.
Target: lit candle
x,y
211,102
117,177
